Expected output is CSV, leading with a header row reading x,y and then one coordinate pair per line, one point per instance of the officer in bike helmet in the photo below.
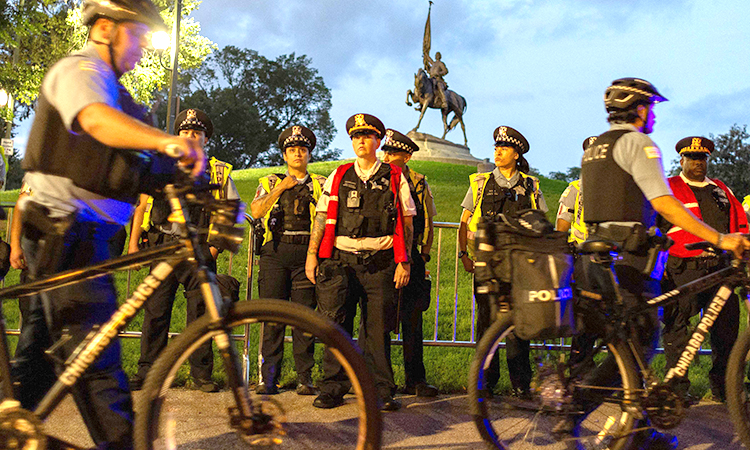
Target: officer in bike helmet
x,y
88,156
623,178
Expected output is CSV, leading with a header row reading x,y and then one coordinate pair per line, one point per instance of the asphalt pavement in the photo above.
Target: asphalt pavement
x,y
440,423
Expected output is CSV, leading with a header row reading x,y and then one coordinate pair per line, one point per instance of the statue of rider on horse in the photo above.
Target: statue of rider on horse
x,y
431,90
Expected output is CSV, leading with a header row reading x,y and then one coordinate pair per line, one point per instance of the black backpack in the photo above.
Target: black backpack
x,y
523,250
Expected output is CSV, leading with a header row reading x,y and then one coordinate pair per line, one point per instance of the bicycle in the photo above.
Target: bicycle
x,y
250,420
614,411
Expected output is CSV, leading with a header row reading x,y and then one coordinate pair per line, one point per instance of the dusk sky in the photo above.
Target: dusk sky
x,y
540,66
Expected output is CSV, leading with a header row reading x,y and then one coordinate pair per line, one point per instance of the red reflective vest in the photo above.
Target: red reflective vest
x,y
683,193
326,245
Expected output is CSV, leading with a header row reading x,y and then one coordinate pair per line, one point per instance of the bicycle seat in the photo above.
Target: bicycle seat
x,y
598,247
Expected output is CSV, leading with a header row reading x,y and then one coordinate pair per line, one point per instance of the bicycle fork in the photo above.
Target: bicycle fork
x,y
216,308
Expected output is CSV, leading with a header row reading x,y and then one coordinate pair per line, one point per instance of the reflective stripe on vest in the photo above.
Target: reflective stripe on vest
x,y
478,181
318,181
578,231
219,175
416,178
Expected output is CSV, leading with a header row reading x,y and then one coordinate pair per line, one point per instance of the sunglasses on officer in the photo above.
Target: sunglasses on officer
x,y
697,156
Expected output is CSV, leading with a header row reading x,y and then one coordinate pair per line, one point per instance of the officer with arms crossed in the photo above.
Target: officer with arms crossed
x,y
286,202
414,298
151,215
83,166
505,190
363,234
622,176
714,203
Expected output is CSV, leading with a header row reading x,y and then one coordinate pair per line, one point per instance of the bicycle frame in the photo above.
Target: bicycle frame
x,y
729,278
102,336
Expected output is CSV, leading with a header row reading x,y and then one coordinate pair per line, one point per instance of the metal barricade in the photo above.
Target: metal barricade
x,y
461,311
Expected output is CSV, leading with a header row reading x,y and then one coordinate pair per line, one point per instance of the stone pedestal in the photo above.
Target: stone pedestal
x,y
436,149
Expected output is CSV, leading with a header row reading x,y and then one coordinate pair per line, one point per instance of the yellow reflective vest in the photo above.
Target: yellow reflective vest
x,y
578,231
478,181
219,172
270,181
416,179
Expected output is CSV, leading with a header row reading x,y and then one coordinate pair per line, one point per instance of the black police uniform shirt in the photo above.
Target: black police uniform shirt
x,y
71,85
348,244
713,203
641,158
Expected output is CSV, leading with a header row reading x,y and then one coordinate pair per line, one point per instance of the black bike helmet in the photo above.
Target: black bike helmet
x,y
625,93
143,11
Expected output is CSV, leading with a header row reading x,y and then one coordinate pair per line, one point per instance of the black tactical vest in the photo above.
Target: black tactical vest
x,y
111,172
499,200
366,209
292,211
417,192
611,194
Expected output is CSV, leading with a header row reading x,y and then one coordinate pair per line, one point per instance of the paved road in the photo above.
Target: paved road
x,y
442,423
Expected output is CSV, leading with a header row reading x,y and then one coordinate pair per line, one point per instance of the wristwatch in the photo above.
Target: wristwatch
x,y
462,253
426,257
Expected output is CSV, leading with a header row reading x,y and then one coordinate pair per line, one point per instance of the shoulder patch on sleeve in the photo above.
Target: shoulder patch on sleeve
x,y
652,152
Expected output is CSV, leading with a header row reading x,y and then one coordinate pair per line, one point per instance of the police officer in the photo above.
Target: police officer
x,y
151,214
505,190
570,212
286,202
82,165
714,203
414,298
622,176
363,234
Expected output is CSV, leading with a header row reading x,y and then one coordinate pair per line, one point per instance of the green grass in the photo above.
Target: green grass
x,y
447,367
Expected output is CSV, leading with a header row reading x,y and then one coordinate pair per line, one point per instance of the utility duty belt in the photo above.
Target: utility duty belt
x,y
297,239
378,258
695,263
638,240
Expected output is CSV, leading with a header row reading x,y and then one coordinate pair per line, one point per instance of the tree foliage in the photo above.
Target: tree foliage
x,y
572,174
251,99
731,158
34,34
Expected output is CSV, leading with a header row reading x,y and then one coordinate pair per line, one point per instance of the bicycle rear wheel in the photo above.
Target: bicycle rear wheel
x,y
165,421
509,422
738,387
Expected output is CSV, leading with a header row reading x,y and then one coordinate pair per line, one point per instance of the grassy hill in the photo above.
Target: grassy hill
x,y
446,366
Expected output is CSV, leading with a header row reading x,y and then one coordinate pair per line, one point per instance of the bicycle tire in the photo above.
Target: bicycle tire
x,y
737,388
508,423
368,424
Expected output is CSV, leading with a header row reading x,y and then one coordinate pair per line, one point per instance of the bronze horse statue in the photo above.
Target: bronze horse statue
x,y
423,95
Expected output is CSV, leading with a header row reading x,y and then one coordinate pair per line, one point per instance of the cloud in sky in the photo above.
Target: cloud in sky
x,y
540,66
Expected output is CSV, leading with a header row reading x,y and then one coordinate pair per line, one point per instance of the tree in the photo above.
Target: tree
x,y
34,34
572,174
251,99
731,158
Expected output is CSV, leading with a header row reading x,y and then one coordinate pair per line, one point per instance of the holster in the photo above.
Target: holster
x,y
49,233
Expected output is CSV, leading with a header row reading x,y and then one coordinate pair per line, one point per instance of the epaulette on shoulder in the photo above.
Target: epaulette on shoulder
x,y
479,176
319,178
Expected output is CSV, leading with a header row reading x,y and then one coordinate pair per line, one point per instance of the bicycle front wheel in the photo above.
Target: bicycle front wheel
x,y
169,418
548,417
738,387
